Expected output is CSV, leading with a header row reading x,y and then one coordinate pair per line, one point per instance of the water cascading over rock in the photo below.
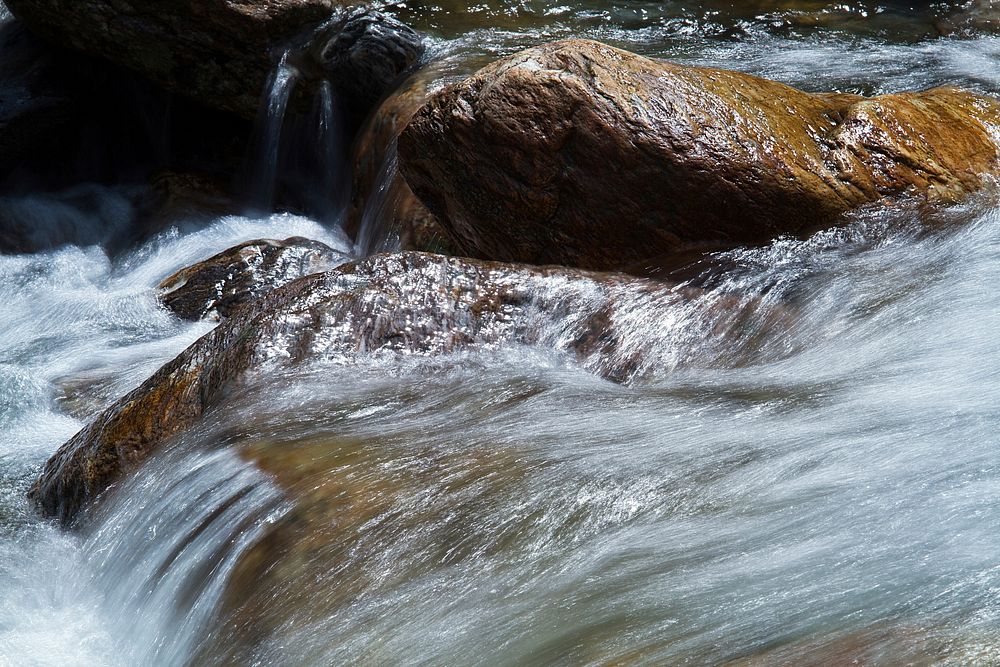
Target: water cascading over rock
x,y
316,100
387,307
308,71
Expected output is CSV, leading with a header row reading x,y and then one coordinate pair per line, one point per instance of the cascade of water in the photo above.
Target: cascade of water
x,y
167,545
264,168
330,151
374,234
298,158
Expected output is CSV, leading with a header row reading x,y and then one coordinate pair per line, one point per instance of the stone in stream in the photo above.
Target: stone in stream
x,y
971,18
382,206
221,52
386,306
218,286
581,154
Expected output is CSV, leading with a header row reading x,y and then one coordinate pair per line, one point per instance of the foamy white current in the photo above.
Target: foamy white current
x,y
836,488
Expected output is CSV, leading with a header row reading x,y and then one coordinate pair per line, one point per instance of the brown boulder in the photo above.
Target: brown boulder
x,y
581,154
218,286
385,306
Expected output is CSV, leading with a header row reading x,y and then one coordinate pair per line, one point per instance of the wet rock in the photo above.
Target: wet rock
x,y
970,18
383,210
364,53
387,306
581,154
221,52
218,286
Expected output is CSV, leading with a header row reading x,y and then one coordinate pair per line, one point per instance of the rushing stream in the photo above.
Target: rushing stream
x,y
820,485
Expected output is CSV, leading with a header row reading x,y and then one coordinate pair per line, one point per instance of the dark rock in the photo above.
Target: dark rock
x,y
68,119
363,54
581,154
35,110
221,52
385,306
216,287
219,49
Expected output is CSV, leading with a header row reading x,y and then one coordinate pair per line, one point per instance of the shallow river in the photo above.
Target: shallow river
x,y
818,482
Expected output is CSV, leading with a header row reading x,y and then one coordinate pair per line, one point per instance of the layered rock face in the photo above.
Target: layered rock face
x,y
581,154
385,306
221,52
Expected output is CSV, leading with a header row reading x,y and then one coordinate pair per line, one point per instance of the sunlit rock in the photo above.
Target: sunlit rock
x,y
218,286
581,154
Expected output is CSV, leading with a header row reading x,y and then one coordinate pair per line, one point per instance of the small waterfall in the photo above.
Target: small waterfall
x,y
298,159
266,155
373,234
331,183
167,544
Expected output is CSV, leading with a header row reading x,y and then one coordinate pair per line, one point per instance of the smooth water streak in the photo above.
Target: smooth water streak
x,y
814,477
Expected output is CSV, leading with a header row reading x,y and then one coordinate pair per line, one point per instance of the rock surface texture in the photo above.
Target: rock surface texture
x,y
221,284
386,306
221,52
581,154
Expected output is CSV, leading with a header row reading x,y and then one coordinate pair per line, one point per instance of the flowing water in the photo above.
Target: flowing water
x,y
813,486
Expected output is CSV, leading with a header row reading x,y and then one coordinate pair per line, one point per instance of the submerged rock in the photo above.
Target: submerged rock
x,y
221,52
386,306
581,154
216,287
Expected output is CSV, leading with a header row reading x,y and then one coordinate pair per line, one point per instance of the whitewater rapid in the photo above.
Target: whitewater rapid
x,y
831,481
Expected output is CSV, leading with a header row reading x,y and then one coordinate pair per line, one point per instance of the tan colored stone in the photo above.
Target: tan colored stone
x,y
582,154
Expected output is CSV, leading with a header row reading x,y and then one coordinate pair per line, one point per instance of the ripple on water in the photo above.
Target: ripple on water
x,y
78,330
